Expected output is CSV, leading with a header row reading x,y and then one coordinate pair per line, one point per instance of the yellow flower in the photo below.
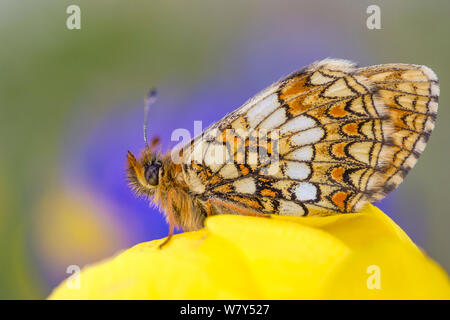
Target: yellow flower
x,y
353,256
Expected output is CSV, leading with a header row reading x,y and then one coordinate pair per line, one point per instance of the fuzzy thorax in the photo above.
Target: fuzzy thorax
x,y
170,193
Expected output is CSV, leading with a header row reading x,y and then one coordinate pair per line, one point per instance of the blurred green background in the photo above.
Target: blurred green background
x,y
70,108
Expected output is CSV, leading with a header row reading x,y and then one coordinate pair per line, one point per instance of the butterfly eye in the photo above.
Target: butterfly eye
x,y
152,174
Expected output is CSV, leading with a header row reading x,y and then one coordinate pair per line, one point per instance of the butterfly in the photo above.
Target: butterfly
x,y
326,139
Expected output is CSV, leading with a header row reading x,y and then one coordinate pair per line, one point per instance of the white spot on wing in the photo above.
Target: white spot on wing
x,y
420,145
274,120
317,78
309,136
305,191
229,171
257,98
434,90
301,154
216,156
262,109
297,124
198,151
246,185
338,89
429,125
297,170
433,106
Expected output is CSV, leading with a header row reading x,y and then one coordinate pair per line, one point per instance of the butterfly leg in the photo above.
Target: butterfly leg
x,y
170,216
239,209
168,237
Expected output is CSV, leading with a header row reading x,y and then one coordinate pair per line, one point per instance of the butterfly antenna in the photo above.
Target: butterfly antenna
x,y
149,100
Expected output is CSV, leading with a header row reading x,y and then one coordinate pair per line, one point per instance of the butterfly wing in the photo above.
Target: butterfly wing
x,y
328,138
410,94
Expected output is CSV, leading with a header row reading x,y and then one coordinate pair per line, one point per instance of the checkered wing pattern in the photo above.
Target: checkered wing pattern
x,y
326,139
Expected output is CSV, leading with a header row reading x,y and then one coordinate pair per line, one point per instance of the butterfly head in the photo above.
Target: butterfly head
x,y
144,173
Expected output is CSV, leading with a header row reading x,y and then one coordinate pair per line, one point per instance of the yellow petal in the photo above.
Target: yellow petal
x,y
358,229
387,270
237,257
286,259
183,268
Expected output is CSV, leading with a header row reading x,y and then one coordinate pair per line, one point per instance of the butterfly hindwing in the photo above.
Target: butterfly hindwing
x,y
328,138
410,94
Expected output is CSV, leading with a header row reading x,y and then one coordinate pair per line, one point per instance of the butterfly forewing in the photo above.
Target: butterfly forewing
x,y
326,139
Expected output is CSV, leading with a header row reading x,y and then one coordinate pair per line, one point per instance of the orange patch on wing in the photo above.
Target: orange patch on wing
x,y
269,193
204,173
397,116
338,150
196,166
351,129
215,179
317,113
226,188
340,198
203,176
297,106
292,91
337,173
244,170
294,87
247,201
268,145
338,111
